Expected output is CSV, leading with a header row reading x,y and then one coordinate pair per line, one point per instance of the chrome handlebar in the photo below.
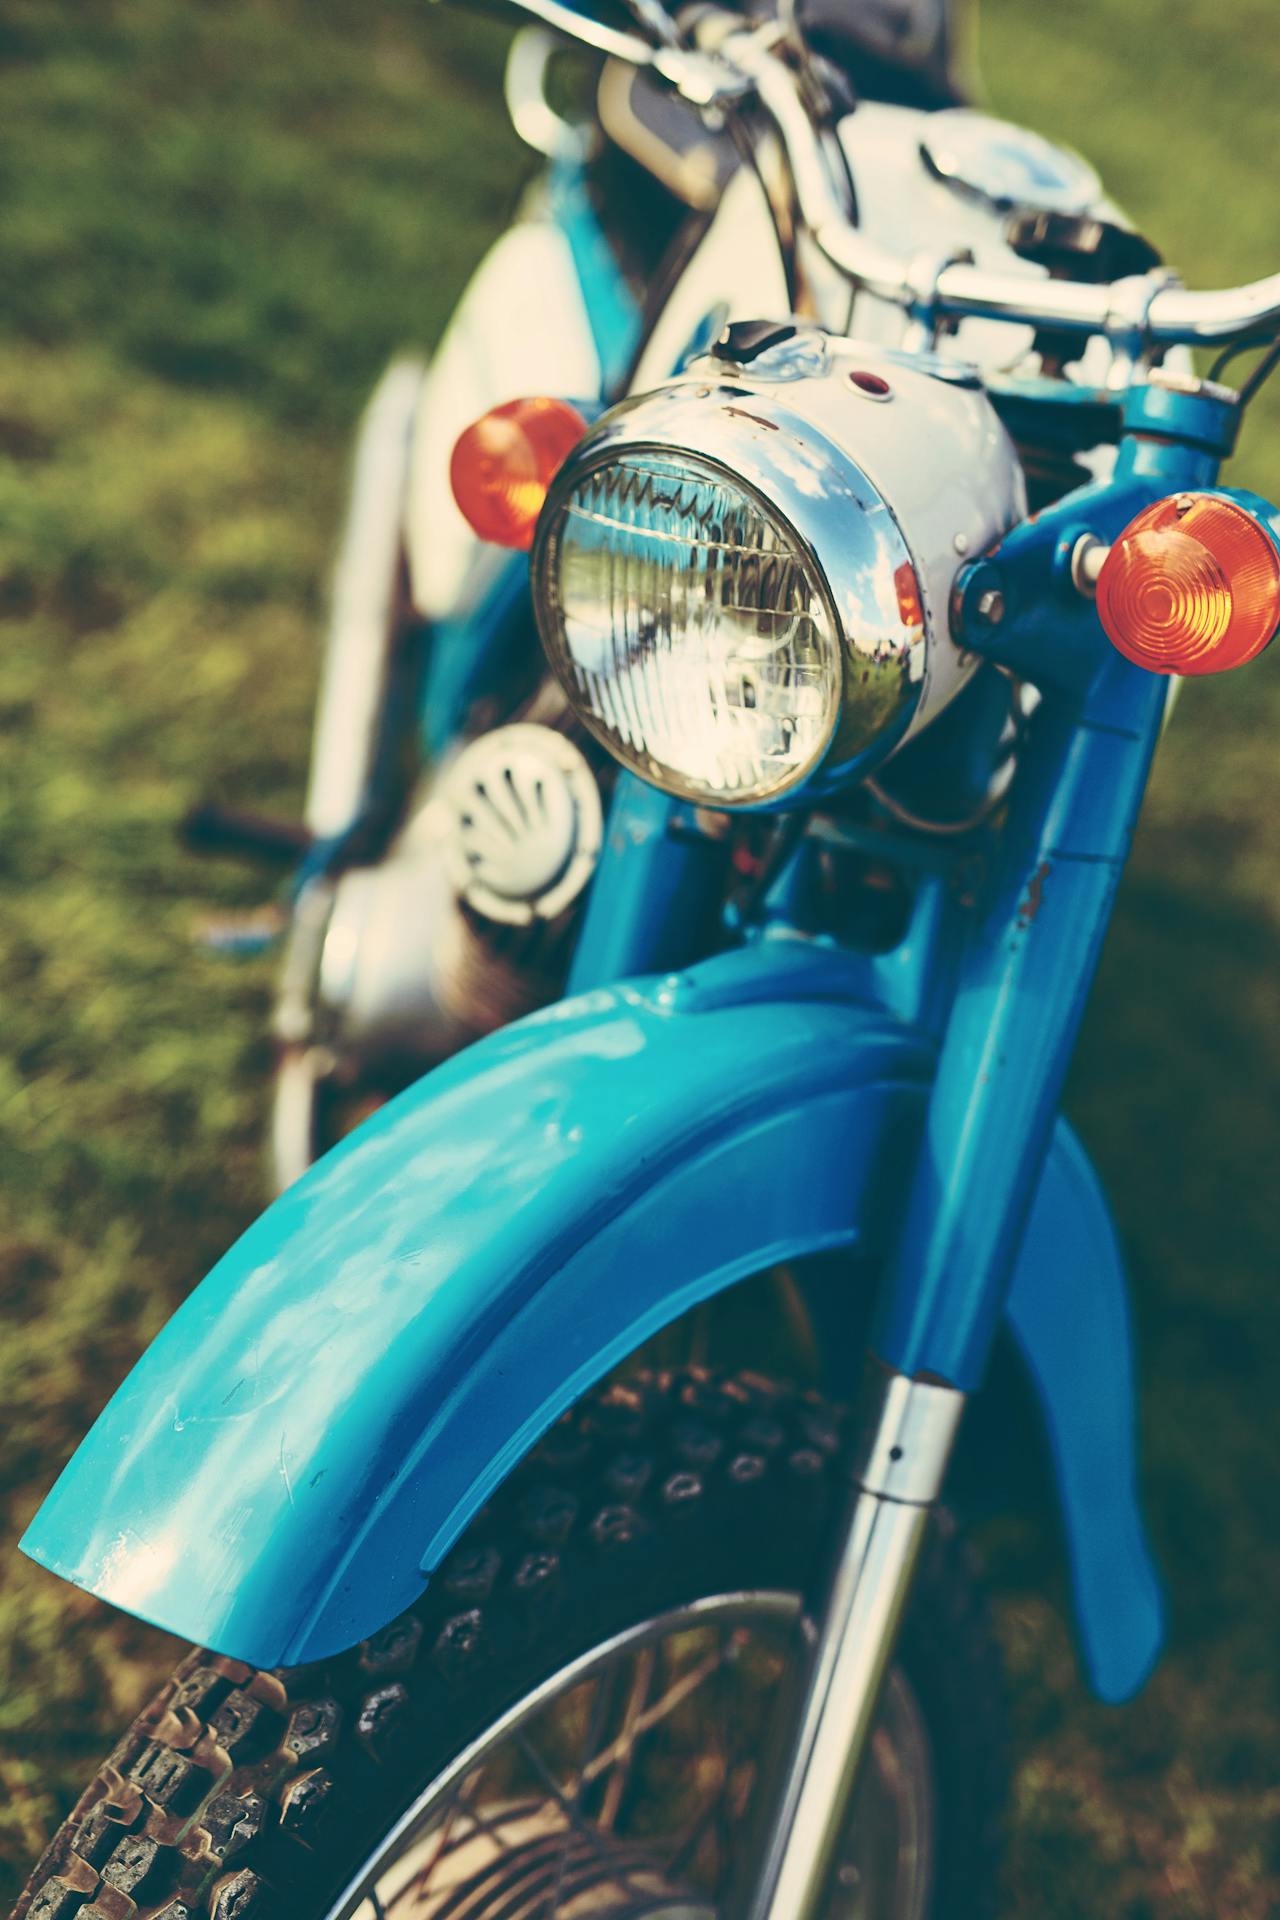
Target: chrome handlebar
x,y
1145,311
703,82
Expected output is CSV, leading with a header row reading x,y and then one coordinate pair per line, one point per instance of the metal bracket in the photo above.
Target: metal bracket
x,y
924,271
1127,326
524,89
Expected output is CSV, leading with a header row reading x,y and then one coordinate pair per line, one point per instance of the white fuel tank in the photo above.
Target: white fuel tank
x,y
520,328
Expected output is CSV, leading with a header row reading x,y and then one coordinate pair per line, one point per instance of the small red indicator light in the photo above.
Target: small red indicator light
x,y
504,463
907,587
872,384
1191,586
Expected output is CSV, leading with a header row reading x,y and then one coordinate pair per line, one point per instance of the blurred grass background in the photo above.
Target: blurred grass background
x,y
216,223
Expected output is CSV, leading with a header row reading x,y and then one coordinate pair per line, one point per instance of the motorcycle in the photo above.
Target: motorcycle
x,y
643,224
863,608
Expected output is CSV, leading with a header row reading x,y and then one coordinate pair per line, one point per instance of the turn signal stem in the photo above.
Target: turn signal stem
x,y
1184,583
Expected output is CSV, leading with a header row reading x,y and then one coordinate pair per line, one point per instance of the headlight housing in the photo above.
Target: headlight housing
x,y
725,593
693,631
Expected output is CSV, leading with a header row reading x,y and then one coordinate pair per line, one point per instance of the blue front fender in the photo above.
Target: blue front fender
x,y
319,1421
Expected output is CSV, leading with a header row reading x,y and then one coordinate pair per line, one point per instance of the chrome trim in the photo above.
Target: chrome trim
x,y
303,1062
1088,557
903,1459
701,81
843,523
907,1441
523,89
653,16
587,32
299,1073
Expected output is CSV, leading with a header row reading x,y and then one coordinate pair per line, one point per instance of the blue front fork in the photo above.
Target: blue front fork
x,y
1026,974
655,893
1018,1003
1023,973
1019,996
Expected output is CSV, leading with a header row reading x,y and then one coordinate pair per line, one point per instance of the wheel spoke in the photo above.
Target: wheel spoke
x,y
606,1790
616,1786
569,1802
674,1697
713,1812
466,1787
595,1730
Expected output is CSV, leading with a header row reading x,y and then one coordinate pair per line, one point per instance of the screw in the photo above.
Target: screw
x,y
990,607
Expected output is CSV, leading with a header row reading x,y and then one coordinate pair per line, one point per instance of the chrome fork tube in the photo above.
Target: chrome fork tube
x,y
899,1471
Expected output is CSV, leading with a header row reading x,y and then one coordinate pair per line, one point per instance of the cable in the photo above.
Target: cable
x,y
1261,373
997,788
1233,351
918,824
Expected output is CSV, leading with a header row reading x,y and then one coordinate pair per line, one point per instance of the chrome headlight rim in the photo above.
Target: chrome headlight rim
x,y
843,528
670,782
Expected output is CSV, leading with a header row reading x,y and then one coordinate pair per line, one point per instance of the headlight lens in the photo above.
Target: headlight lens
x,y
691,627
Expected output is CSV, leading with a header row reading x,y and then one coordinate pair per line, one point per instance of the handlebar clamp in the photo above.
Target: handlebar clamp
x,y
924,271
1128,318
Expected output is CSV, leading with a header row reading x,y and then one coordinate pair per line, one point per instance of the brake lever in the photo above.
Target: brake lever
x,y
701,79
653,15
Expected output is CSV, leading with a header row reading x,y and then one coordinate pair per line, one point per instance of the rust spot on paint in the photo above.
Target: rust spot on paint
x,y
740,413
1035,895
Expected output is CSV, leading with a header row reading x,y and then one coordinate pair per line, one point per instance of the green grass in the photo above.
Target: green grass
x,y
215,225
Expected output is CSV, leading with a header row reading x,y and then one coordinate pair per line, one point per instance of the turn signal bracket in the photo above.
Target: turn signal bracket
x,y
1185,583
1019,606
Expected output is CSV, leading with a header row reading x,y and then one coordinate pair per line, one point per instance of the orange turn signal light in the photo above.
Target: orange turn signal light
x,y
1192,585
504,463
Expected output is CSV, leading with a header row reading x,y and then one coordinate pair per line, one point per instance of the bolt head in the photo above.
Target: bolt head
x,y
990,607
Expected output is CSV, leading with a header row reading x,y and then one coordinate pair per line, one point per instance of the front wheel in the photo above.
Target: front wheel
x,y
577,1716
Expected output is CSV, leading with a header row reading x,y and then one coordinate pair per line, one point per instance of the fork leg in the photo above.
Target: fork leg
x,y
899,1471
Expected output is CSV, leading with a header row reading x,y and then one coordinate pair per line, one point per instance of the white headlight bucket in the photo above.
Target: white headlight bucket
x,y
733,605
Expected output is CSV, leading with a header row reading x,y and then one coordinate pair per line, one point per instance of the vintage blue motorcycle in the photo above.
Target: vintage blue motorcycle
x,y
863,609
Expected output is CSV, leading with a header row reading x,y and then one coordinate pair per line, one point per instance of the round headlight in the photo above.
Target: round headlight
x,y
692,630
727,598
